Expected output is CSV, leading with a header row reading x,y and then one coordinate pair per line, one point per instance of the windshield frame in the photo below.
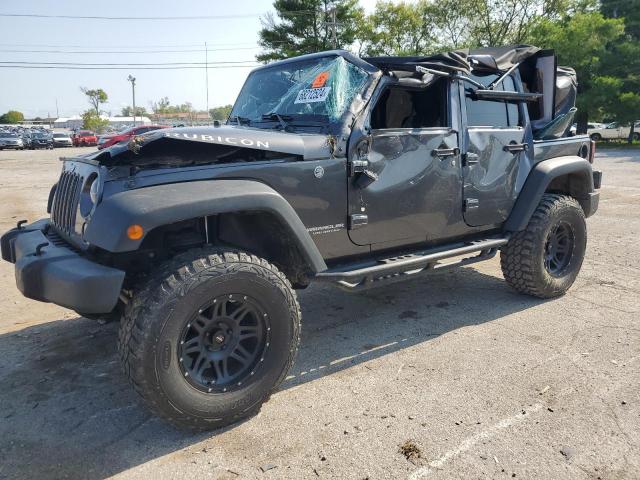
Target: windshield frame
x,y
333,126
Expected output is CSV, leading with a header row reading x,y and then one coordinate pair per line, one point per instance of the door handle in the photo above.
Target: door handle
x,y
516,147
445,152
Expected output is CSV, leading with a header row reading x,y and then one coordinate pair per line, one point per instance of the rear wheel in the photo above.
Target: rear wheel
x,y
209,337
544,259
596,137
636,136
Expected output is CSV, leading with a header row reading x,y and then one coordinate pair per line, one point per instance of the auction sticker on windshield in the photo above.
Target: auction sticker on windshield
x,y
312,95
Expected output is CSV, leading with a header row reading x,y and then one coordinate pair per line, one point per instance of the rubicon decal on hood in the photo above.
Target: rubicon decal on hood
x,y
230,137
202,137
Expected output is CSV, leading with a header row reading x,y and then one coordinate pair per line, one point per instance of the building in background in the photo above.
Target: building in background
x,y
75,122
186,118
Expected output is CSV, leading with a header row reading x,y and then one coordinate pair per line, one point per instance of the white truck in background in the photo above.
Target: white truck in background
x,y
614,131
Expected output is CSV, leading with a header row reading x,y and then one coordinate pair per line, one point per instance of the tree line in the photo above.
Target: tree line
x,y
600,39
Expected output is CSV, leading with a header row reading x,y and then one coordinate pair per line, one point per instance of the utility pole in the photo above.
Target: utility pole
x,y
206,72
333,27
57,113
133,91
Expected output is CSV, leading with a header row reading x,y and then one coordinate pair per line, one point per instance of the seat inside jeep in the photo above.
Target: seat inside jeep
x,y
410,107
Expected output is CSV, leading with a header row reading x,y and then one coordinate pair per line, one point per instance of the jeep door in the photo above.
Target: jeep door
x,y
410,189
495,154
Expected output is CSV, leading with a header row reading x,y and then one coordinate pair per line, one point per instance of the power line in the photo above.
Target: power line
x,y
96,17
128,64
127,52
198,17
182,45
133,67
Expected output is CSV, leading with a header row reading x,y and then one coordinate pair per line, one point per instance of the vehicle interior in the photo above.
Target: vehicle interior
x,y
401,106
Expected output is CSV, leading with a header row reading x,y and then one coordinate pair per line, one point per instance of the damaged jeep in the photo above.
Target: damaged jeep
x,y
330,168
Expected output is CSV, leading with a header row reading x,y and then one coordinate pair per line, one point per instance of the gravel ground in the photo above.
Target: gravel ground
x,y
451,375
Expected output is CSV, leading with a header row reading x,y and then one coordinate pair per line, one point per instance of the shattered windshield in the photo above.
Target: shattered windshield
x,y
318,90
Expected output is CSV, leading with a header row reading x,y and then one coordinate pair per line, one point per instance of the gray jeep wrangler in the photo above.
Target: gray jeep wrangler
x,y
331,168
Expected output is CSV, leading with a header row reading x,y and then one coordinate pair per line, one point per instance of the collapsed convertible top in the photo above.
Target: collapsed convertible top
x,y
556,87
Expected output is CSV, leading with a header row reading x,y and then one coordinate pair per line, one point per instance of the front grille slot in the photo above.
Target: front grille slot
x,y
65,201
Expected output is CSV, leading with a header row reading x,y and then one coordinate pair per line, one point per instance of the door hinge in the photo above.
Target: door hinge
x,y
358,220
471,204
357,166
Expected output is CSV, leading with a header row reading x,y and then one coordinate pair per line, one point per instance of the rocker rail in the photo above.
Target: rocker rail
x,y
396,268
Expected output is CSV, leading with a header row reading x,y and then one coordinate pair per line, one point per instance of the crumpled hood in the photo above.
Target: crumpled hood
x,y
230,138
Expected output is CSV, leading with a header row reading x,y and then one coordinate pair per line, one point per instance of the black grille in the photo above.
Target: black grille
x,y
65,201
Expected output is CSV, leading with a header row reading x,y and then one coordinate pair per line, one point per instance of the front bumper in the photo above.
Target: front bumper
x,y
58,274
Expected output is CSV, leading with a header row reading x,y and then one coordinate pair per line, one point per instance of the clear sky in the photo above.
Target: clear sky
x,y
35,91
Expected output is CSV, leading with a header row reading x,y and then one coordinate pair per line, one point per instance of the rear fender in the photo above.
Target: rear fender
x,y
573,175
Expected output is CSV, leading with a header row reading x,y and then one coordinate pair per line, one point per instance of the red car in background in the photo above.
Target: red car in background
x,y
84,138
108,140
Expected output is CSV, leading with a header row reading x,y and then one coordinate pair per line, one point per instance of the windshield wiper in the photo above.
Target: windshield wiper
x,y
279,118
240,120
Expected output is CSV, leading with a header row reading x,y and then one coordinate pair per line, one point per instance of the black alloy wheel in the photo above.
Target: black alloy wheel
x,y
223,344
545,258
558,249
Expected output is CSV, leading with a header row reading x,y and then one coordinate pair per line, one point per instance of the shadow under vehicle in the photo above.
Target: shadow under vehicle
x,y
331,168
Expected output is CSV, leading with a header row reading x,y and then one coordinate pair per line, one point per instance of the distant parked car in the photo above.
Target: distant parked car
x,y
11,140
108,140
85,138
41,140
590,126
614,131
26,139
62,140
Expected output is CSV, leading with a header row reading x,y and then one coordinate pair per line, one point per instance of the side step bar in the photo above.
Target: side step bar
x,y
364,276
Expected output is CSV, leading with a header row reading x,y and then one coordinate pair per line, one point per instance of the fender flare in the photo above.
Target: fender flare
x,y
159,205
539,179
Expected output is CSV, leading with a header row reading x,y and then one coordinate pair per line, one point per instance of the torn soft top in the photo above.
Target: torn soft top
x,y
503,58
556,86
463,60
450,62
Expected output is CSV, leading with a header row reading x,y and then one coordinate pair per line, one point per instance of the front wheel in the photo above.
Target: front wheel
x,y
209,337
544,259
635,136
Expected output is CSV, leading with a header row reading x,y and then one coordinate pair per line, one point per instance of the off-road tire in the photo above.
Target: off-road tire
x,y
523,258
153,319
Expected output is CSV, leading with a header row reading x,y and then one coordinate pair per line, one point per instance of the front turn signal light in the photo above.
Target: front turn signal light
x,y
135,232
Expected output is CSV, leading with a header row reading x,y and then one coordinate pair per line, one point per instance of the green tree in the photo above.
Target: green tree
x,y
302,26
12,116
220,113
627,111
128,111
96,97
161,105
92,121
624,61
629,10
164,106
397,29
583,41
425,26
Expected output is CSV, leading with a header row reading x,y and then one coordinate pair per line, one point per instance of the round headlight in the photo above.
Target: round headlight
x,y
94,191
90,195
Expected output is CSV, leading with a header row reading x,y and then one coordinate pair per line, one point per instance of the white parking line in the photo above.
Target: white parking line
x,y
468,443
